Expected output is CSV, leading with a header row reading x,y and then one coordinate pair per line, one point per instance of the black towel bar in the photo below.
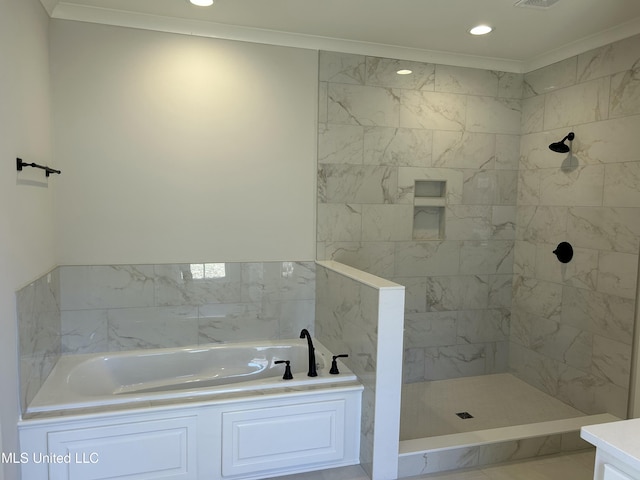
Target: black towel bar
x,y
47,170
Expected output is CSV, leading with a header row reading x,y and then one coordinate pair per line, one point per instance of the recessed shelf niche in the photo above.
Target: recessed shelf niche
x,y
428,209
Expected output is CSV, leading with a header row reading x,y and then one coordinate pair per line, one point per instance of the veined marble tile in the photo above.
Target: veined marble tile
x,y
86,287
493,115
625,89
469,222
430,329
427,258
270,282
454,361
621,185
580,272
323,100
532,115
609,316
605,228
582,186
292,317
520,324
223,323
524,258
377,258
458,292
547,224
510,85
538,297
356,184
363,105
340,144
85,331
519,449
440,461
382,72
463,149
582,103
415,298
608,141
500,287
432,110
535,152
613,58
487,187
339,222
611,398
486,257
197,283
617,274
387,222
560,74
342,68
407,177
482,326
470,81
157,327
564,343
507,152
503,222
413,365
529,187
397,146
612,360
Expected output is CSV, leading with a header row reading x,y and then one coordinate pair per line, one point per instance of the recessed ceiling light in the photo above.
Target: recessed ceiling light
x,y
202,3
404,71
480,30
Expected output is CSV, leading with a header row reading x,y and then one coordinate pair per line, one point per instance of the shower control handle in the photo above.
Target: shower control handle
x,y
334,365
287,369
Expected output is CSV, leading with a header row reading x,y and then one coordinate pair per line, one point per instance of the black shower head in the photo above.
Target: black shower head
x,y
562,147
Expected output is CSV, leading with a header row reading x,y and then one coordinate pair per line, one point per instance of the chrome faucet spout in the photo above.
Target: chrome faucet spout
x,y
312,353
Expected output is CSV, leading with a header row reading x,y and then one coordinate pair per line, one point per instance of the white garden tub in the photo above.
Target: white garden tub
x,y
79,381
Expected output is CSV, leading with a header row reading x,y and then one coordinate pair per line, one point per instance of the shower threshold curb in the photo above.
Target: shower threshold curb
x,y
497,445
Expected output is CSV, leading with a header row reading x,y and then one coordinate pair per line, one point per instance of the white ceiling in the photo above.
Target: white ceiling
x,y
425,30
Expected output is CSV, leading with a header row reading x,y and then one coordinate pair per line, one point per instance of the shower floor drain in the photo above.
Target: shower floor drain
x,y
464,415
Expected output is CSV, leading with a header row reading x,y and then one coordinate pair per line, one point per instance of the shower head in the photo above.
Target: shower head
x,y
562,147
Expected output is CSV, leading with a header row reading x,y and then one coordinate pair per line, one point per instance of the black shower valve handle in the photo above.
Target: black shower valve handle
x,y
287,369
334,365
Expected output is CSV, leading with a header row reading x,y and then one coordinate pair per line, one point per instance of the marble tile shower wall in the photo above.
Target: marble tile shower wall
x,y
379,133
572,324
89,309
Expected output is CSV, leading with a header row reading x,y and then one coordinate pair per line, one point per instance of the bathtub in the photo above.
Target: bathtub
x,y
81,381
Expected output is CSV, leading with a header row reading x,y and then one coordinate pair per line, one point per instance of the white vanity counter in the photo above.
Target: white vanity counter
x,y
617,449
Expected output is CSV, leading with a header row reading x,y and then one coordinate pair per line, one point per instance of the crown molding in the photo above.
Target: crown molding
x,y
620,32
83,13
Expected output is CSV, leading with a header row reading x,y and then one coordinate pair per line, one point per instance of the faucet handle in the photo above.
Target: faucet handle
x,y
287,369
334,365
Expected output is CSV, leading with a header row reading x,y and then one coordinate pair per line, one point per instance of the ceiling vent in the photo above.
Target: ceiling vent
x,y
535,3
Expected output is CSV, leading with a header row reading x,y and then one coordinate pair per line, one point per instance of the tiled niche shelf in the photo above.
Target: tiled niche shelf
x,y
428,209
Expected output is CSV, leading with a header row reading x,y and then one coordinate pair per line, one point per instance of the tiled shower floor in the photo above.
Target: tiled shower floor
x,y
500,400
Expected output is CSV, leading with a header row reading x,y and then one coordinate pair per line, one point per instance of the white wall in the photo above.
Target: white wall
x,y
177,148
26,226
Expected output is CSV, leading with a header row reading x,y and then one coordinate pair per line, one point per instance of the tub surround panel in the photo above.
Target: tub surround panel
x,y
90,309
39,332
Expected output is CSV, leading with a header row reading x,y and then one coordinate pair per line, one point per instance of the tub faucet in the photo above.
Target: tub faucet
x,y
312,353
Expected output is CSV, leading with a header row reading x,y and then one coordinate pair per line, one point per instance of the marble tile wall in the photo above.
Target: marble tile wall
x,y
89,309
39,325
361,315
572,324
379,132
